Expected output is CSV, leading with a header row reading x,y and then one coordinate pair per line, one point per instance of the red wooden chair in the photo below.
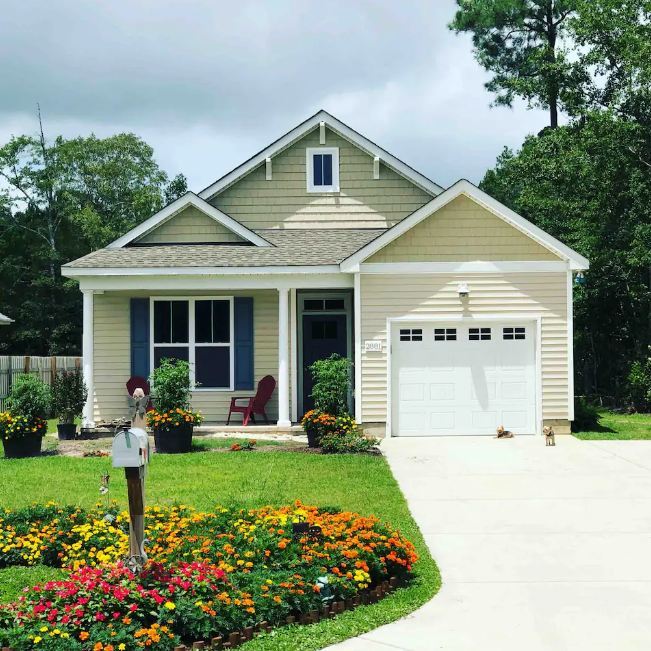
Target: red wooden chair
x,y
137,382
254,404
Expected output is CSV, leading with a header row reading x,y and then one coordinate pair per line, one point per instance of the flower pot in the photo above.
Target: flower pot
x,y
26,446
313,438
67,431
173,439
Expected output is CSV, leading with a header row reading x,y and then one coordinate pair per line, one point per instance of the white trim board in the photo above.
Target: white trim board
x,y
190,283
81,272
188,199
303,129
463,187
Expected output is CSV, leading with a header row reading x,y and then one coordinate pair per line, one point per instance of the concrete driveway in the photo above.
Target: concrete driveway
x,y
539,548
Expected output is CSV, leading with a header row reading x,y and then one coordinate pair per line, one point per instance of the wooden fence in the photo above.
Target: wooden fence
x,y
45,367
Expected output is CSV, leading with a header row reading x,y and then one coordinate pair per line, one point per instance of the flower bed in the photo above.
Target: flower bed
x,y
210,574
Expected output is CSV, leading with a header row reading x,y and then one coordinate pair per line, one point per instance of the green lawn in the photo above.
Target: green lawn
x,y
614,426
202,479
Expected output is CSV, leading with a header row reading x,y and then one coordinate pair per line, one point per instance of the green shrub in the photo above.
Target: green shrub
x,y
171,385
69,395
586,416
350,442
639,383
29,397
331,384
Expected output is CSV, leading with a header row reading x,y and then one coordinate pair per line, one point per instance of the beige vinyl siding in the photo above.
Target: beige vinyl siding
x,y
284,202
190,225
526,294
462,231
112,354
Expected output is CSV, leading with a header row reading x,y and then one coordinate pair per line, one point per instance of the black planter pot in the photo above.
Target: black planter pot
x,y
173,440
28,446
313,438
67,431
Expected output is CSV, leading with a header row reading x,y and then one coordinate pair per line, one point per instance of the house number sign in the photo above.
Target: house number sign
x,y
372,346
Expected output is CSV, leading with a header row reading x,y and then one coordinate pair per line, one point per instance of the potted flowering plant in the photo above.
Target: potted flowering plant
x,y
330,394
318,424
23,425
172,420
69,395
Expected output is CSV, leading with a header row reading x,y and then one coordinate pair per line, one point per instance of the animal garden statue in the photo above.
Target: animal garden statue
x,y
550,439
131,452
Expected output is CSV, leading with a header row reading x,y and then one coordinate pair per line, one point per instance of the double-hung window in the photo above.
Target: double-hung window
x,y
198,330
322,169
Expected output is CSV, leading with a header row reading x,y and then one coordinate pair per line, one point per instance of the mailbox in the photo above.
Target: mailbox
x,y
131,449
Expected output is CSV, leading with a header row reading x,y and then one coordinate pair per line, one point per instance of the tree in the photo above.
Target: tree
x,y
613,39
522,43
59,201
588,185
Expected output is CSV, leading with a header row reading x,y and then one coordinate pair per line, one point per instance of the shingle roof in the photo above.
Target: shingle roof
x,y
291,247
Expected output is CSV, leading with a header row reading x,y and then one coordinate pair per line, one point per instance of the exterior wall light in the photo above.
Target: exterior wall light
x,y
463,290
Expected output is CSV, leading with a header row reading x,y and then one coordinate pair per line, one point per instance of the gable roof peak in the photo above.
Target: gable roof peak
x,y
464,187
174,208
302,130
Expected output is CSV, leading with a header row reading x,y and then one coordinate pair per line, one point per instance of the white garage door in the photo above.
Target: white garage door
x,y
462,379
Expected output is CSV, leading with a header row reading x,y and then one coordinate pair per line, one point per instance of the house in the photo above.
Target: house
x,y
5,320
456,312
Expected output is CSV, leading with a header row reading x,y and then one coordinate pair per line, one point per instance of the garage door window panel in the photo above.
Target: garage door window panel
x,y
445,334
411,334
479,334
510,334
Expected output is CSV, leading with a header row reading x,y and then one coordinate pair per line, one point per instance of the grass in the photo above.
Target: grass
x,y
622,427
360,483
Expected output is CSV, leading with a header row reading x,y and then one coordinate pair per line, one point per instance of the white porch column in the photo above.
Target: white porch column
x,y
88,415
283,357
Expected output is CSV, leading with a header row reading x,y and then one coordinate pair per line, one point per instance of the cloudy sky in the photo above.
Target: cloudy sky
x,y
208,83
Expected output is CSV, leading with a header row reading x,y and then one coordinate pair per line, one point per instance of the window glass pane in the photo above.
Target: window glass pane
x,y
221,322
334,304
213,367
170,352
312,304
327,169
317,330
317,164
203,322
162,322
179,322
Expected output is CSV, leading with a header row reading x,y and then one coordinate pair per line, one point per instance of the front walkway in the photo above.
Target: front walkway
x,y
539,548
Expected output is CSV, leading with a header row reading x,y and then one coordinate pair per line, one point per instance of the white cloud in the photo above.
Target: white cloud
x,y
208,84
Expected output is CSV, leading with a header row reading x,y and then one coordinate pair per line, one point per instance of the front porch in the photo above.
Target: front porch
x,y
127,330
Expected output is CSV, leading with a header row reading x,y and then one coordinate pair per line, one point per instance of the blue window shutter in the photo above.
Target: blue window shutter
x,y
140,337
243,342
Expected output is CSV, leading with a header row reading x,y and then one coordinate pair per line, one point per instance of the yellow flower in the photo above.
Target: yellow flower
x,y
169,605
37,639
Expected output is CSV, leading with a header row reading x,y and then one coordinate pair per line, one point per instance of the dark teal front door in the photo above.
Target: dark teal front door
x,y
323,335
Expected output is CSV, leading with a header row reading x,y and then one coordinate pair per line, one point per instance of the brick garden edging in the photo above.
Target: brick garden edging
x,y
327,612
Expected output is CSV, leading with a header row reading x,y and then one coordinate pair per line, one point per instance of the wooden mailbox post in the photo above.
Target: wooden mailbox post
x,y
131,452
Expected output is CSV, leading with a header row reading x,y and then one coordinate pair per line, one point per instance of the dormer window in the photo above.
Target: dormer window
x,y
323,169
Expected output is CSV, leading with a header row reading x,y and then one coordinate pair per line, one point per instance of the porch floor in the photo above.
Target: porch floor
x,y
293,432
